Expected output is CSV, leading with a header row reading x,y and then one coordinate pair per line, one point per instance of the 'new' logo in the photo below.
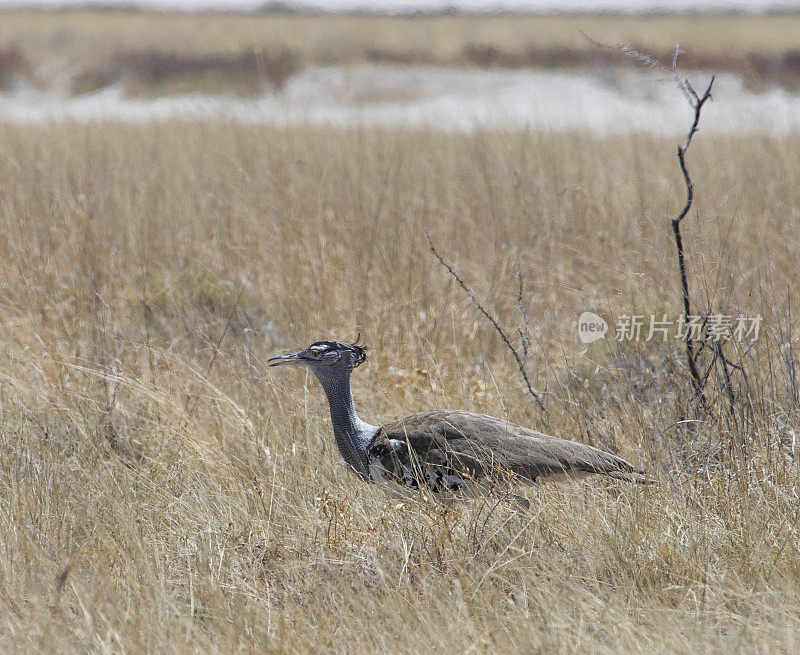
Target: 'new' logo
x,y
591,327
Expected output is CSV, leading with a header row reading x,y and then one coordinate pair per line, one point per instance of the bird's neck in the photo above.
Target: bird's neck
x,y
351,433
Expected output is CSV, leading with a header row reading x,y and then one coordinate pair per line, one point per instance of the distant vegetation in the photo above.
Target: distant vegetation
x,y
151,54
12,64
154,73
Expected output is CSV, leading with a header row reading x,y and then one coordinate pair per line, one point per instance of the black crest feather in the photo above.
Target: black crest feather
x,y
360,351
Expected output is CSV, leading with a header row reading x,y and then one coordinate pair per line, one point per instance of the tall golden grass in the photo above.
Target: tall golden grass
x,y
161,490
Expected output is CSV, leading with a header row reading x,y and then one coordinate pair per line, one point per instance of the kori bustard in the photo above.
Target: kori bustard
x,y
444,451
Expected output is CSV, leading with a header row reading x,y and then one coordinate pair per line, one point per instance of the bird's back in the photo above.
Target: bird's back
x,y
453,449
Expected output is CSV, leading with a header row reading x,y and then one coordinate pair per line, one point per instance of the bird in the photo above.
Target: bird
x,y
446,452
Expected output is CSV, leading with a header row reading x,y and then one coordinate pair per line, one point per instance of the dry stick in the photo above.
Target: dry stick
x,y
726,375
697,103
492,320
525,336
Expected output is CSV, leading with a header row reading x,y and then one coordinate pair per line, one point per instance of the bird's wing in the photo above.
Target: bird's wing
x,y
482,446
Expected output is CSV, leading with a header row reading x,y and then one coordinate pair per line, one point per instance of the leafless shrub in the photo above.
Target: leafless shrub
x,y
726,379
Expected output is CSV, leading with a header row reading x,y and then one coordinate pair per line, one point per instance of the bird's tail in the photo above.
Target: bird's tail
x,y
639,477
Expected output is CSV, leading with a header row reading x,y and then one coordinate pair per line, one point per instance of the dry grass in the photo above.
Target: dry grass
x,y
161,490
249,53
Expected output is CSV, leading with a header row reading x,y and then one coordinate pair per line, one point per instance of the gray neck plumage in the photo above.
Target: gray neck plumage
x,y
352,435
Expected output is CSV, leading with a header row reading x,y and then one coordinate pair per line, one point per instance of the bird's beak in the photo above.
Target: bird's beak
x,y
289,358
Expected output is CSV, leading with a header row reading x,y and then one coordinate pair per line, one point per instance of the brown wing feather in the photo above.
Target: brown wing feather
x,y
483,446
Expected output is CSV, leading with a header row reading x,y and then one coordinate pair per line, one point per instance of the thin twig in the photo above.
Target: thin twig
x,y
524,335
726,377
682,84
697,104
492,320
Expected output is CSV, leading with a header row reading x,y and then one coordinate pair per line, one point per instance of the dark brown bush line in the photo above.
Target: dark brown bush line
x,y
152,72
259,67
247,73
489,56
758,69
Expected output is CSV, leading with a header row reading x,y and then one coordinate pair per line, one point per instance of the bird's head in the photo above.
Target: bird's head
x,y
326,359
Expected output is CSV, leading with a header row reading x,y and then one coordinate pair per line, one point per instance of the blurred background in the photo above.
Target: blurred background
x,y
453,65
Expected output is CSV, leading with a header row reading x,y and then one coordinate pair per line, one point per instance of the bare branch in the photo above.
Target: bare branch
x,y
524,335
696,102
697,381
683,84
536,396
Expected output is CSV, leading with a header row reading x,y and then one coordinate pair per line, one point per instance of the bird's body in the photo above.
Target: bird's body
x,y
446,452
484,447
